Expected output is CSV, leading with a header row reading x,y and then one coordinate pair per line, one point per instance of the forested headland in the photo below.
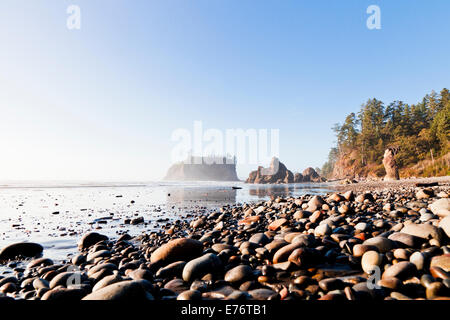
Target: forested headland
x,y
420,134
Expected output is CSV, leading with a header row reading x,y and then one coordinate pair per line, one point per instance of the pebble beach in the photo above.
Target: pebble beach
x,y
358,242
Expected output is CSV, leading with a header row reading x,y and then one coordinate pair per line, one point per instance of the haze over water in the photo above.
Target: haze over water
x,y
57,213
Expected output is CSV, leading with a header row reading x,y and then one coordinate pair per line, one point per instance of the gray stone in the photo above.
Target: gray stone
x,y
362,226
39,283
198,267
183,249
78,259
441,207
21,249
40,262
124,290
89,239
98,267
238,295
141,274
8,279
218,247
261,294
259,238
426,217
445,225
239,274
424,193
174,269
322,229
176,285
419,259
370,260
66,278
315,203
108,280
331,284
97,254
64,294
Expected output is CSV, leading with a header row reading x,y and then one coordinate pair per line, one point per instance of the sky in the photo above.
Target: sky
x,y
102,102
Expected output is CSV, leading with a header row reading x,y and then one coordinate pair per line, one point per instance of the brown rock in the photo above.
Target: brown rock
x,y
402,270
360,249
275,245
390,165
442,261
445,225
275,225
21,249
441,207
64,294
315,203
390,283
124,290
197,268
89,239
424,231
176,250
349,195
283,253
383,244
336,197
249,220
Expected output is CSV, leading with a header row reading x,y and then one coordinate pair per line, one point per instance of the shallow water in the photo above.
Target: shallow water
x,y
28,210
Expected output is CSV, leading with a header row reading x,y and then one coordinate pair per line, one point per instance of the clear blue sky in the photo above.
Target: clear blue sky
x,y
102,102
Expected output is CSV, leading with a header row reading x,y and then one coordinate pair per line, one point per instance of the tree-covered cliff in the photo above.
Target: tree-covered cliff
x,y
420,131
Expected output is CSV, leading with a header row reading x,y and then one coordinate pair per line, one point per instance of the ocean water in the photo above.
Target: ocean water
x,y
57,214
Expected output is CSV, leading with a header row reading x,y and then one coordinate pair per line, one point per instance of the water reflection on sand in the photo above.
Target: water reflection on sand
x,y
285,190
28,213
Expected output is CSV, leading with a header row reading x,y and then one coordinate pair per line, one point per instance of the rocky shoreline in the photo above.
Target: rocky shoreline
x,y
389,243
392,185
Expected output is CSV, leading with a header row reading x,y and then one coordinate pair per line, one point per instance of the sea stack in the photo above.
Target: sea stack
x,y
275,173
278,173
203,169
390,165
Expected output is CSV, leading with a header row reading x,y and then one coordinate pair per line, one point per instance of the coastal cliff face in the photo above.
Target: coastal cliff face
x,y
202,170
348,166
278,173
